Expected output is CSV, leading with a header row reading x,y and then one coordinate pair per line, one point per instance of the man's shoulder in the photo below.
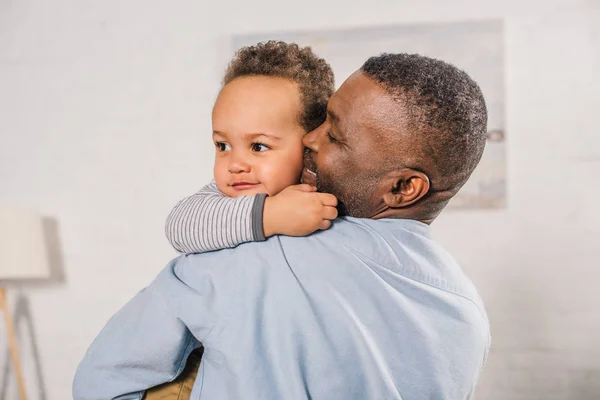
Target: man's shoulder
x,y
402,246
246,252
380,239
265,257
227,265
241,253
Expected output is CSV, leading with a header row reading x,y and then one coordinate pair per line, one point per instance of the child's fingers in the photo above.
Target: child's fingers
x,y
328,199
325,224
304,187
330,212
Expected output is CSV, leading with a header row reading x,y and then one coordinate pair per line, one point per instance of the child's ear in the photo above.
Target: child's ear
x,y
405,187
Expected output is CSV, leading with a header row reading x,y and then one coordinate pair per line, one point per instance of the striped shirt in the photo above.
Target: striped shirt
x,y
210,220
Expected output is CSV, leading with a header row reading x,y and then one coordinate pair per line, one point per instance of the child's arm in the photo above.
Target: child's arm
x,y
209,220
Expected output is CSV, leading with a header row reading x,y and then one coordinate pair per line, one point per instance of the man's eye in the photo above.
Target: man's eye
x,y
222,146
259,147
331,138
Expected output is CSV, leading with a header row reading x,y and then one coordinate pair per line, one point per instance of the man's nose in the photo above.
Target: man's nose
x,y
238,163
311,139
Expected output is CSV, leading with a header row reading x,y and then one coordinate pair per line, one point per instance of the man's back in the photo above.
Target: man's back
x,y
367,310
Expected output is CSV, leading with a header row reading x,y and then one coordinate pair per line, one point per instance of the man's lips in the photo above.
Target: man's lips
x,y
309,177
243,185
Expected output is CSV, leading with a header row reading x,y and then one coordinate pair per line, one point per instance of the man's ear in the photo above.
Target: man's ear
x,y
405,187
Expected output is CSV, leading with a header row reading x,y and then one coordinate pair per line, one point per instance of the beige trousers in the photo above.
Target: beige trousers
x,y
180,388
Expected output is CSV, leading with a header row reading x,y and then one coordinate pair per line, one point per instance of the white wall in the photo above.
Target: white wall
x,y
104,124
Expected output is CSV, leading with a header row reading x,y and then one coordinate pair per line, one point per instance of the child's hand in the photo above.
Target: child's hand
x,y
298,211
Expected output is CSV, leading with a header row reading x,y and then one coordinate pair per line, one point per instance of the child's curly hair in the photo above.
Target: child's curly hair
x,y
287,60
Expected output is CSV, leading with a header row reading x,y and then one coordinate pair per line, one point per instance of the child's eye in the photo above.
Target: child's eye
x,y
259,147
221,146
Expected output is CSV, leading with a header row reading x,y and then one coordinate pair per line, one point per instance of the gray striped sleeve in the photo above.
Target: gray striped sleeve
x,y
210,220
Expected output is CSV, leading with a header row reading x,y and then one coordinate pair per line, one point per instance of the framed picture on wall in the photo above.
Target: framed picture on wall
x,y
475,47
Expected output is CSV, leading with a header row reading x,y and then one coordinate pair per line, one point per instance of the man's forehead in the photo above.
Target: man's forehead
x,y
362,100
351,91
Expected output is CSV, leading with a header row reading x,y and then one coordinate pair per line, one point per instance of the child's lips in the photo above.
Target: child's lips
x,y
243,185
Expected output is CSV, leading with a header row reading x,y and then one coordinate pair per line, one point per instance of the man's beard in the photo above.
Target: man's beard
x,y
311,176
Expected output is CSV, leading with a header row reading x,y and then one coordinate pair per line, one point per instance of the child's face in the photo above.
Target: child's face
x,y
257,136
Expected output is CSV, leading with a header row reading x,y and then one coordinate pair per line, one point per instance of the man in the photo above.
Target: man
x,y
372,308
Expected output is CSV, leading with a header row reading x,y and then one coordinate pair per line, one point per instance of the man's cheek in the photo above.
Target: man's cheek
x,y
329,163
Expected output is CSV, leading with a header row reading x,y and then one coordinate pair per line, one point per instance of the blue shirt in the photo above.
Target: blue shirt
x,y
369,309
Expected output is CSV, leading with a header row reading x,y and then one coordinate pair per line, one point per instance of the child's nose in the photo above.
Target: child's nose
x,y
238,164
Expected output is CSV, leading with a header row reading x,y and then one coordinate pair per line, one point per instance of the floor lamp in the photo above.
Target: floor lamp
x,y
23,256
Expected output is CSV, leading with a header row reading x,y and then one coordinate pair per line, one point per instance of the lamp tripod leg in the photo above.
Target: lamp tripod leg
x,y
12,343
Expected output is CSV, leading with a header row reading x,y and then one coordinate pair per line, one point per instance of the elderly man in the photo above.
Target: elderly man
x,y
372,308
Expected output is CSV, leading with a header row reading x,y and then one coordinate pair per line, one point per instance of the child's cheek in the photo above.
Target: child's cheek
x,y
220,176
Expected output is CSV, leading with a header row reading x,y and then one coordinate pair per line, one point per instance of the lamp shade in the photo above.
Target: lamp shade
x,y
23,249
